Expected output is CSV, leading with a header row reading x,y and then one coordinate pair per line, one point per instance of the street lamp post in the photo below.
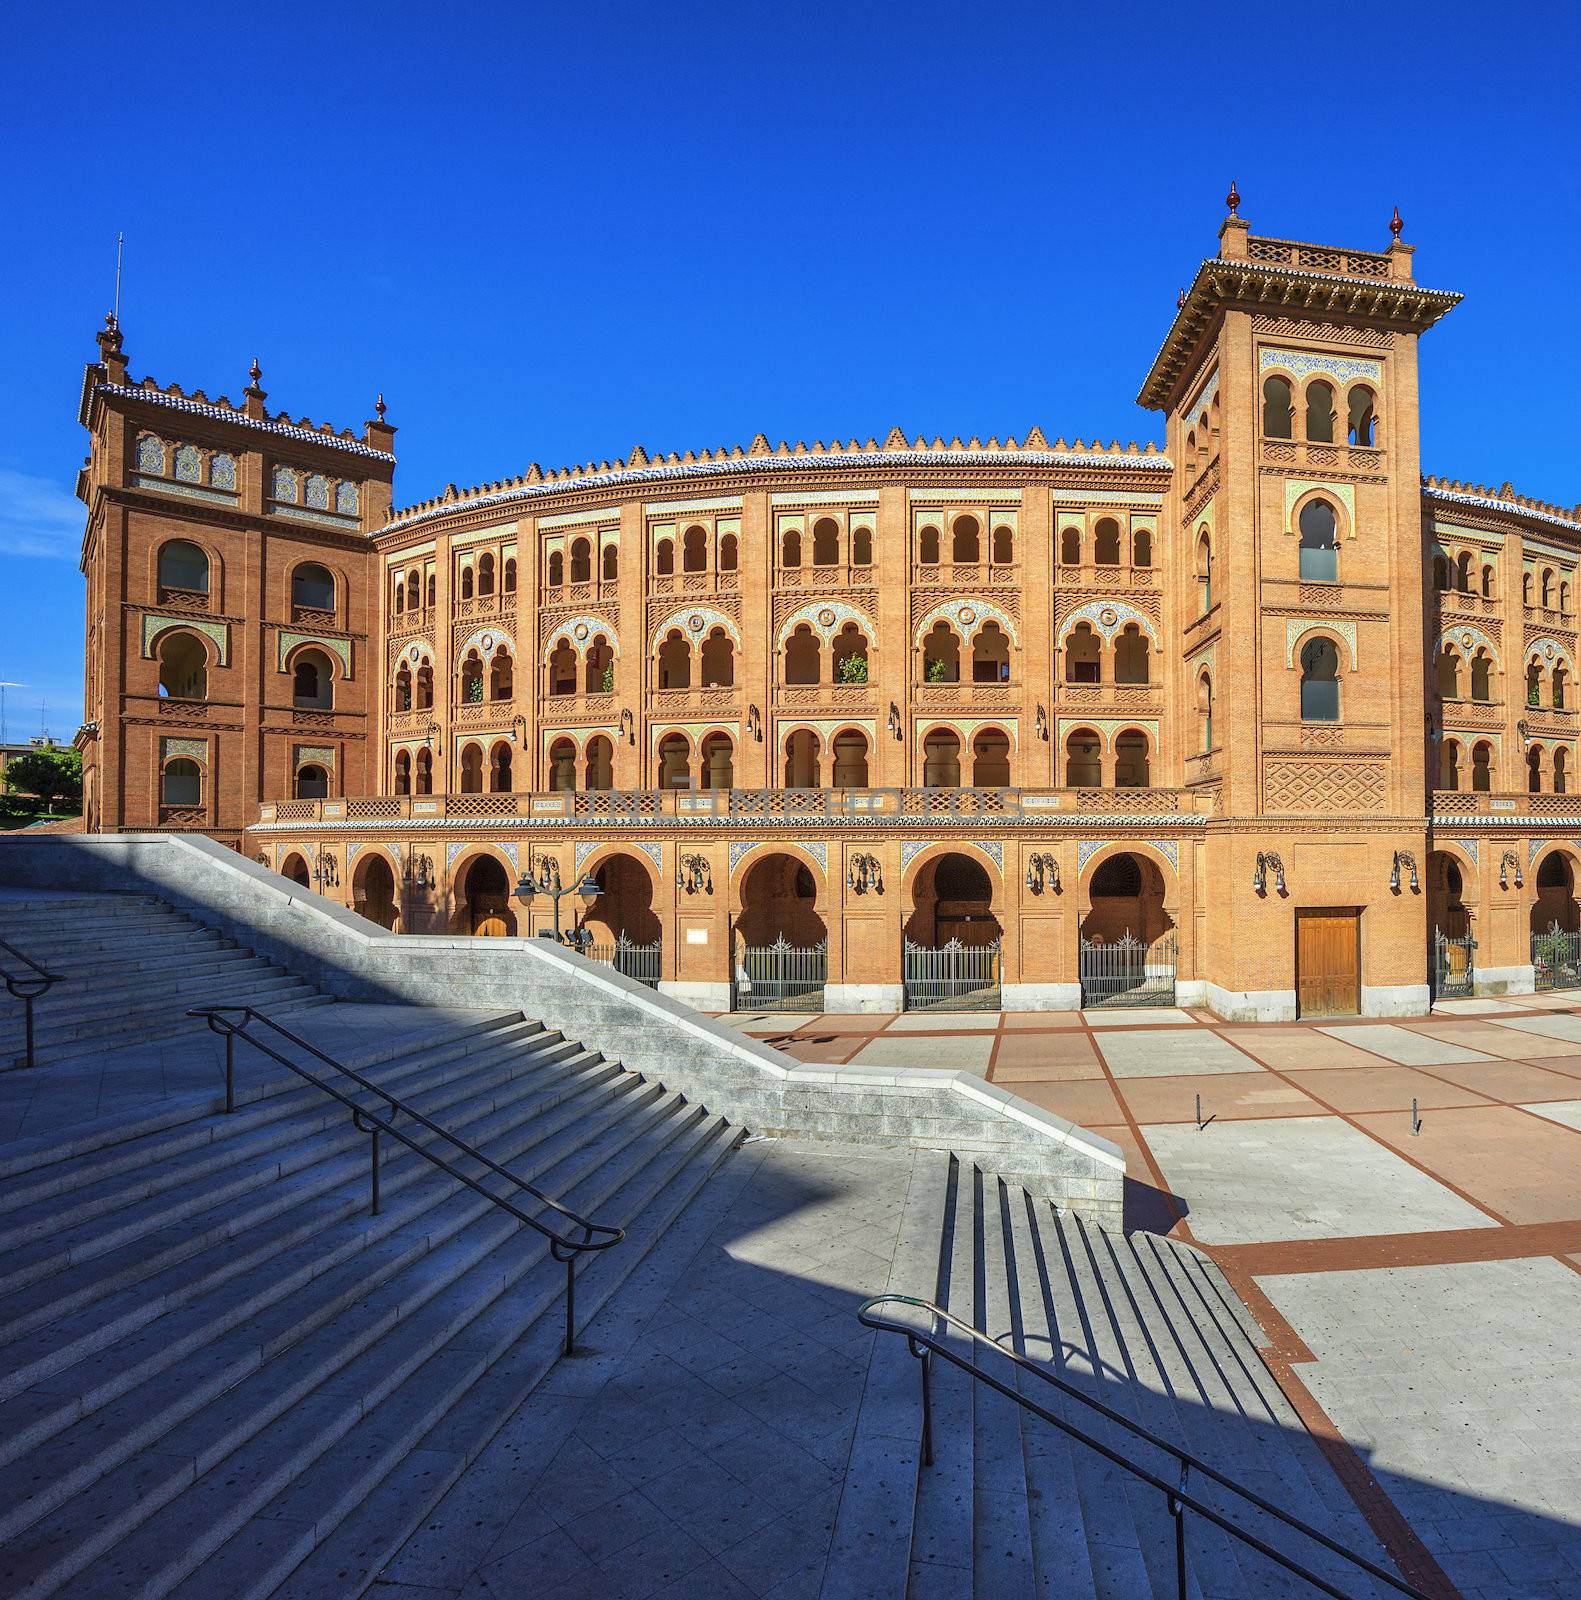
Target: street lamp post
x,y
548,883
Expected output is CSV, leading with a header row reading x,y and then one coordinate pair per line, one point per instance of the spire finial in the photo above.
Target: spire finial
x,y
255,372
1180,301
1233,198
1395,224
378,406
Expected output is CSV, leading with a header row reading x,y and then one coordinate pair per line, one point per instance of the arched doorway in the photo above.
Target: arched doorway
x,y
484,900
294,867
624,930
952,937
780,944
1127,948
1556,944
373,892
1449,923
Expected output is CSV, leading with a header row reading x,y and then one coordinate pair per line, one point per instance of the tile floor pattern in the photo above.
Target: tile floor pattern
x,y
1399,1201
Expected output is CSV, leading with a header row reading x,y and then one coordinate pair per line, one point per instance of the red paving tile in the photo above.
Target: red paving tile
x,y
1086,1103
1290,1049
1382,1088
1511,1044
823,1047
1518,1165
1047,1021
1513,1080
1049,1055
851,1022
1229,1096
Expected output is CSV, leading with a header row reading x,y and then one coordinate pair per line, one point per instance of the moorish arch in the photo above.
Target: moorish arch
x,y
294,867
375,892
826,618
743,854
630,880
1554,874
1106,618
695,623
968,615
780,896
1127,886
481,880
953,892
579,633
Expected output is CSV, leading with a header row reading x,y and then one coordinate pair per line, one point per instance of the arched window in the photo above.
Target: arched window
x,y
1131,770
1481,767
500,768
1319,543
313,681
433,589
850,759
403,772
181,783
941,655
501,675
1070,547
1564,595
183,667
941,760
664,558
990,655
1083,760
425,686
1205,712
790,548
611,562
802,760
486,573
694,550
562,766
1526,588
862,547
1083,655
991,759
466,580
1320,413
581,561
562,669
1561,685
1561,770
400,597
1106,542
675,757
1278,408
1004,546
472,769
403,688
675,661
556,578
1204,442
600,763
928,546
1449,770
1481,676
1142,547
509,586
1131,656
728,557
826,542
719,661
1441,574
851,664
1463,572
472,679
312,588
1534,682
966,541
1448,674
1534,770
1205,572
1548,587
183,569
599,675
1319,681
803,656
414,592
312,783
425,772
718,762
1360,415
1487,583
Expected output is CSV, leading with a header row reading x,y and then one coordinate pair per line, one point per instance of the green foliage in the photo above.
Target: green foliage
x,y
474,687
1553,951
53,774
853,669
607,682
934,670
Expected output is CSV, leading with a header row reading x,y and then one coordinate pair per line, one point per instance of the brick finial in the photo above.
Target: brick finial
x,y
1233,198
1395,224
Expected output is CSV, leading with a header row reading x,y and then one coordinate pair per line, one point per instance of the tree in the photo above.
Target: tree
x,y
53,774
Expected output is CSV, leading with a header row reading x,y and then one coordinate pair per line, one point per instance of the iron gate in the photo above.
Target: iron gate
x,y
1556,958
963,977
1453,965
1129,971
781,977
639,961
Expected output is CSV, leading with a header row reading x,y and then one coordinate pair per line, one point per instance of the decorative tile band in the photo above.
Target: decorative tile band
x,y
1469,846
339,648
1297,627
197,749
1303,365
155,623
970,615
826,618
1108,617
578,631
993,850
1169,849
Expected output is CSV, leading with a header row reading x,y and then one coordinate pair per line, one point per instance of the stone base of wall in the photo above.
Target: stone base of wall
x,y
1257,1005
1396,1000
864,997
1505,980
1041,997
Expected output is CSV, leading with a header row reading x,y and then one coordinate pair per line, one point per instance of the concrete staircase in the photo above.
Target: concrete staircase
x,y
128,964
220,1375
1011,1506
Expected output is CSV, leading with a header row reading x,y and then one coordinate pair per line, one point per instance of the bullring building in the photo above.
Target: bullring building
x,y
1266,721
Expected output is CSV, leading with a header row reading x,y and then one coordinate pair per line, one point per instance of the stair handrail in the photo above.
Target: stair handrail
x,y
563,1246
923,1344
20,985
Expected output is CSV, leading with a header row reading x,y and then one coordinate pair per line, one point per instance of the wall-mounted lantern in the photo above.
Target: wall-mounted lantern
x,y
1403,858
1042,872
1506,861
693,875
1268,861
864,873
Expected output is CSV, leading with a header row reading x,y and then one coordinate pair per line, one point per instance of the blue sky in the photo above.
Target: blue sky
x,y
549,233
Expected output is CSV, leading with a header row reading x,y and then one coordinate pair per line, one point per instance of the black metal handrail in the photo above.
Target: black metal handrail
x,y
925,1343
563,1247
27,988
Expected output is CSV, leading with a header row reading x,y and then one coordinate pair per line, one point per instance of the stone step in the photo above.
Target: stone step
x,y
67,951
347,1363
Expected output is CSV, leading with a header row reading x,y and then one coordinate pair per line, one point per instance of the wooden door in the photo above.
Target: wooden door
x,y
1328,962
488,917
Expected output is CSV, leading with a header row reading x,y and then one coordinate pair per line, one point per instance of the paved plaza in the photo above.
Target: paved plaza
x,y
1417,1274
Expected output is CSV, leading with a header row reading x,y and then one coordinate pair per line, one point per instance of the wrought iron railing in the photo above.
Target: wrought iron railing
x,y
1556,958
639,961
1128,971
962,976
1453,965
781,977
924,1343
27,987
582,1236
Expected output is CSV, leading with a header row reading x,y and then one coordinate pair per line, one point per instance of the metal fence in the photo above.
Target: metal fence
x,y
639,961
781,977
961,977
1129,971
1556,958
1453,965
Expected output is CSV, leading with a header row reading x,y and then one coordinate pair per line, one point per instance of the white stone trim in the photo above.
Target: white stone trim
x,y
864,998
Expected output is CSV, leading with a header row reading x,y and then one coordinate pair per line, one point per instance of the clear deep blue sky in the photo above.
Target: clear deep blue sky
x,y
549,233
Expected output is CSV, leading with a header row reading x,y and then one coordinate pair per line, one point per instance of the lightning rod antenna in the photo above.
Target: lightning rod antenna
x,y
120,239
